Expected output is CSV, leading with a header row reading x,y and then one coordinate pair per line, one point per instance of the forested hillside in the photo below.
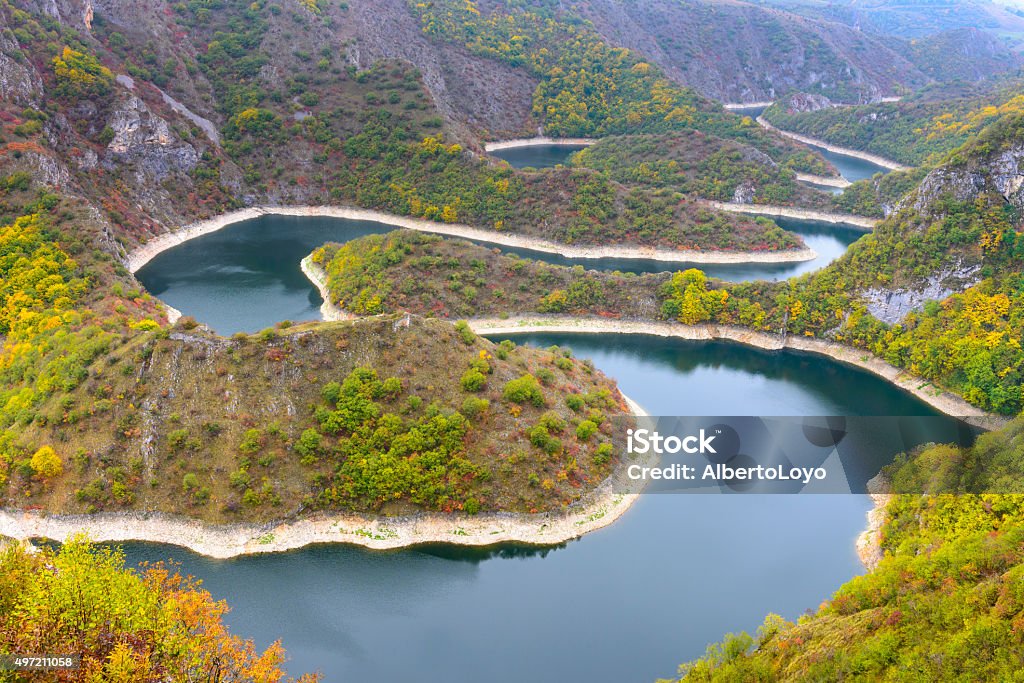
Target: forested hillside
x,y
944,603
740,52
304,126
935,288
704,165
428,275
105,407
918,130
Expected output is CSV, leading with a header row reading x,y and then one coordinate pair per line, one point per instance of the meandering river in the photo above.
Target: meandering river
x,y
851,168
627,603
246,276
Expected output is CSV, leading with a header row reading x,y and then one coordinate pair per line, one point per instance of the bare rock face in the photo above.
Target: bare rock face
x,y
1008,174
19,81
469,90
756,156
146,140
50,171
802,103
1003,172
76,13
744,193
892,305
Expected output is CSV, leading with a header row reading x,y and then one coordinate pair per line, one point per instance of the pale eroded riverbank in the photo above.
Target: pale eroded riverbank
x,y
824,181
147,252
869,543
318,276
732,106
540,140
846,151
939,399
794,212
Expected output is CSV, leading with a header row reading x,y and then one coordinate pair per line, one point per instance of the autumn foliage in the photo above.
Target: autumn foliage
x,y
128,626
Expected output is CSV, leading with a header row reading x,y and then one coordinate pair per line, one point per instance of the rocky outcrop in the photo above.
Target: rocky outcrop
x,y
892,305
19,81
145,140
471,91
1007,171
802,103
1002,171
744,193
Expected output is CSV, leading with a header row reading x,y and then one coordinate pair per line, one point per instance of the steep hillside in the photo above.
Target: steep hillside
x,y
935,288
943,603
966,54
920,129
103,406
163,118
916,20
739,52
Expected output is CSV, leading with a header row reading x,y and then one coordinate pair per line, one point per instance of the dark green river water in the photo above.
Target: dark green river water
x,y
537,156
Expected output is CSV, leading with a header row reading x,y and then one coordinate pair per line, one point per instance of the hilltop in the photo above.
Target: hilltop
x,y
106,407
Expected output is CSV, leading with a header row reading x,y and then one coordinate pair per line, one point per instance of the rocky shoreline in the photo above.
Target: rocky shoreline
x,y
540,140
318,276
823,181
774,211
845,151
869,543
150,250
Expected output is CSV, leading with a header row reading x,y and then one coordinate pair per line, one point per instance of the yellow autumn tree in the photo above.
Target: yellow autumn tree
x,y
81,75
47,463
128,625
